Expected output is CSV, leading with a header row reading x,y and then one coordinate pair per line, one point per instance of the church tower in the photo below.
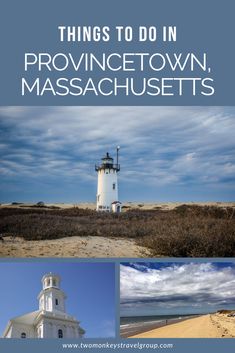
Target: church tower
x,y
51,298
50,320
107,186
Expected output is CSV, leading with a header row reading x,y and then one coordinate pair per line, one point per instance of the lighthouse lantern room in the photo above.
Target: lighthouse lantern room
x,y
107,187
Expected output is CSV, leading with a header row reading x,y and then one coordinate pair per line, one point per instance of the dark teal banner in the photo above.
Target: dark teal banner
x,y
117,53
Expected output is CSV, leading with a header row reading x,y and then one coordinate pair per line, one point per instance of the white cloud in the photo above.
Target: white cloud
x,y
178,284
107,327
162,145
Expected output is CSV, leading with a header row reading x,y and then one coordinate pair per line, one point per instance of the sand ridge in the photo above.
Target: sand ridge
x,y
76,246
126,205
87,246
206,326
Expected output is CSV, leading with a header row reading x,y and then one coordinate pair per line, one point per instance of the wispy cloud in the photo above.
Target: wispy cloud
x,y
160,146
107,327
177,286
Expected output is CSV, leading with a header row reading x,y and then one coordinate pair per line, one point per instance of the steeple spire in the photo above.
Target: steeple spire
x,y
51,298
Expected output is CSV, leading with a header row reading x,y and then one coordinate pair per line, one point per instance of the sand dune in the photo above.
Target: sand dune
x,y
206,326
126,205
87,246
72,247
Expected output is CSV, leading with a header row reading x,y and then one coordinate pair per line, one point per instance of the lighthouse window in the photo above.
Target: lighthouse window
x,y
60,333
54,282
114,186
23,335
56,302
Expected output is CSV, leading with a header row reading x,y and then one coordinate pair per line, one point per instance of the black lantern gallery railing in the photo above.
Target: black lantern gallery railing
x,y
107,166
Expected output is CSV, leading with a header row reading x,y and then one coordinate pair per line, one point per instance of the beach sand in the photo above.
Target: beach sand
x,y
72,247
206,326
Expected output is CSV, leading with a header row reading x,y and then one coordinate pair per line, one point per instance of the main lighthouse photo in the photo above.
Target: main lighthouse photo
x,y
107,186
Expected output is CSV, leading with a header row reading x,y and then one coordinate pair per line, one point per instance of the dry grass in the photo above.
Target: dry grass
x,y
186,231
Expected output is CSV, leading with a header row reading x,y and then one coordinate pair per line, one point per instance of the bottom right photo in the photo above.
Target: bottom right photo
x,y
177,300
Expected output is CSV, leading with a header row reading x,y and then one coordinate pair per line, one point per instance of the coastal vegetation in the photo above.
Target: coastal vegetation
x,y
185,231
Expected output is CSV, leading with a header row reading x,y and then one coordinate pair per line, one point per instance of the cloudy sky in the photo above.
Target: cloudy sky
x,y
167,153
176,288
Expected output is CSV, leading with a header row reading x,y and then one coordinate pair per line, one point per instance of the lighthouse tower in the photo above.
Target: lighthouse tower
x,y
107,187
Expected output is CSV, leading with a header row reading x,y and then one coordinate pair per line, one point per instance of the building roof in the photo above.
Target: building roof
x,y
50,274
27,319
49,289
107,156
115,202
32,318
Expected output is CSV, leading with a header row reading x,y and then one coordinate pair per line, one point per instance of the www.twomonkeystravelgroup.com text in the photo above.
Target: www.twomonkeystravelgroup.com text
x,y
121,345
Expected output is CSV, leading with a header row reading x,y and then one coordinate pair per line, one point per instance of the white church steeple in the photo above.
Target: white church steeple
x,y
107,187
51,320
51,298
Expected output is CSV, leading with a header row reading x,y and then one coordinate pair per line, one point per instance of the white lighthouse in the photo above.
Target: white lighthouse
x,y
107,187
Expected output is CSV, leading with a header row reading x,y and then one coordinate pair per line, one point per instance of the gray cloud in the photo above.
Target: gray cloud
x,y
160,145
177,285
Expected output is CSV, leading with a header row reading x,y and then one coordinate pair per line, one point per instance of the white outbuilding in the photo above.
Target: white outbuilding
x,y
50,320
107,186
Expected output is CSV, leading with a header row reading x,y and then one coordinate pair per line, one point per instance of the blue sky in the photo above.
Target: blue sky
x,y
167,153
176,288
90,290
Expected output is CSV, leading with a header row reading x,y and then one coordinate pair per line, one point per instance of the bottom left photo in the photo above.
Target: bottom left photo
x,y
57,300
